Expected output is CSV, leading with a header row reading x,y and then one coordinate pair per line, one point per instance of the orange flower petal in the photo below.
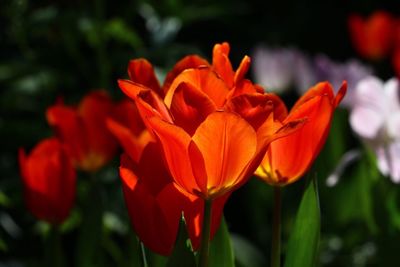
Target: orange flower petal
x,y
280,110
131,144
199,169
227,143
322,88
340,95
146,216
254,108
141,71
131,89
204,80
190,107
152,169
127,114
269,131
175,142
291,156
188,62
243,87
172,202
221,63
242,70
148,102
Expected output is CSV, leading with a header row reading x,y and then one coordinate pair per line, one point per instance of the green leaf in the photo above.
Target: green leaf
x,y
392,208
304,240
221,250
154,259
3,245
246,253
133,252
365,182
182,256
4,200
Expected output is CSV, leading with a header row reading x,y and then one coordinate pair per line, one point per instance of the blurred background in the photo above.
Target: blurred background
x,y
52,49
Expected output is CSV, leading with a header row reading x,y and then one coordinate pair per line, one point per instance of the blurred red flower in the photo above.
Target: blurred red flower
x,y
372,37
83,130
49,180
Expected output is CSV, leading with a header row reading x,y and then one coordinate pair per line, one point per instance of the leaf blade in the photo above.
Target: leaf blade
x,y
221,249
303,243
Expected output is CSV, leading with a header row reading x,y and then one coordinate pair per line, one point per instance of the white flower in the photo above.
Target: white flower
x,y
375,117
277,69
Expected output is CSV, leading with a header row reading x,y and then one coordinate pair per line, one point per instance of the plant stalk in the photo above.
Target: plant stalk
x,y
276,229
205,235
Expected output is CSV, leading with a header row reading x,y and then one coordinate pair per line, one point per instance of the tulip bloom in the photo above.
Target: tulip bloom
x,y
156,206
376,119
213,125
373,37
49,181
83,130
154,203
288,158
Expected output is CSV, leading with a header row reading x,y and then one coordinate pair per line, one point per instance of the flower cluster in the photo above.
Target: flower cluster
x,y
82,141
187,144
213,128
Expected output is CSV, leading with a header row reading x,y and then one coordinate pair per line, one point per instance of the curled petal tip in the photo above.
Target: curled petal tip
x,y
243,69
341,93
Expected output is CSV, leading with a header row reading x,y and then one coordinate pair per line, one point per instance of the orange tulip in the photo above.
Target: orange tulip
x,y
142,72
83,130
214,126
372,38
155,205
49,181
288,158
127,127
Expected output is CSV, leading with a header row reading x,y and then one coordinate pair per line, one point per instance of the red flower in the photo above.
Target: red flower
x,y
289,157
396,53
155,205
213,125
396,61
83,130
49,180
372,37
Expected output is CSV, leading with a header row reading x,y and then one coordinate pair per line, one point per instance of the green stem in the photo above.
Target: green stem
x,y
143,255
88,248
276,229
54,251
205,234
